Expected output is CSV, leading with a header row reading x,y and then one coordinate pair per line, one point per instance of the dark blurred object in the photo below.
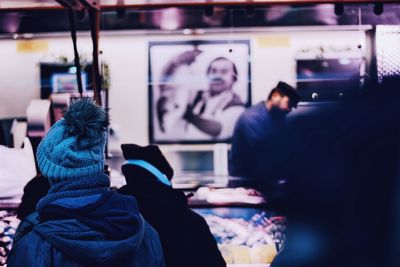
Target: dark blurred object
x,y
35,141
184,235
339,9
34,190
5,132
107,170
378,9
340,197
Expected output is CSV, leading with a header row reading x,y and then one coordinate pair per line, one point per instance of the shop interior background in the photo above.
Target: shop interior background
x,y
278,37
274,51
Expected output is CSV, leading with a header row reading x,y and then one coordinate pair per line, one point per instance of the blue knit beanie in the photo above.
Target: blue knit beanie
x,y
74,146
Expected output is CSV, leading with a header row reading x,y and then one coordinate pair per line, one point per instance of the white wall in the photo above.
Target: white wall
x,y
272,59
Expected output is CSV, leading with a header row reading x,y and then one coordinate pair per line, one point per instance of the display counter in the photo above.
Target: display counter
x,y
246,232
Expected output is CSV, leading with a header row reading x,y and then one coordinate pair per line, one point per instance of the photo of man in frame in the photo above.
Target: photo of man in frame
x,y
199,97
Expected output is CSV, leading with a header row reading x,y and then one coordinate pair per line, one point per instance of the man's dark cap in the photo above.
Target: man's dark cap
x,y
290,92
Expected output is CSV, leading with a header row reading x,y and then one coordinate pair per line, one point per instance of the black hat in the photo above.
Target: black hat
x,y
290,92
152,154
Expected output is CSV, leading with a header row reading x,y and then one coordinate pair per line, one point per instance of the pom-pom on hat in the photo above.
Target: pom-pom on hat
x,y
74,146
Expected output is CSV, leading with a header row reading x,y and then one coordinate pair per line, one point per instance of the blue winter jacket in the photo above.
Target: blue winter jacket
x,y
107,232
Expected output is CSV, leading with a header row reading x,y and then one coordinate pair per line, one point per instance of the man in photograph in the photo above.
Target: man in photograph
x,y
207,113
214,111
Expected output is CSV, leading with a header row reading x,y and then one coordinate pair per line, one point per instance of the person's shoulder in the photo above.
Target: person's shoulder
x,y
152,238
149,231
251,115
26,226
28,251
30,241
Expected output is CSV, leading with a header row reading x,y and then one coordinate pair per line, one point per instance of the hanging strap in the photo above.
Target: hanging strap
x,y
72,22
149,167
94,16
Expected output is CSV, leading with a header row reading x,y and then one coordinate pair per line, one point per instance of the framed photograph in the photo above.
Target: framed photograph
x,y
197,90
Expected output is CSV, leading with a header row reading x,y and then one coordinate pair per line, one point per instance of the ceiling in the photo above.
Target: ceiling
x,y
52,4
194,20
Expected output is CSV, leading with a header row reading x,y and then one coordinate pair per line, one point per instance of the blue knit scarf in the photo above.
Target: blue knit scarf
x,y
79,187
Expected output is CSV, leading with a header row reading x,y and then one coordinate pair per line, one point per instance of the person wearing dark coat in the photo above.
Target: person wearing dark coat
x,y
185,235
260,142
81,222
342,204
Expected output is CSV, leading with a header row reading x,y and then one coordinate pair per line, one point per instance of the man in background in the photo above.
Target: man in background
x,y
259,145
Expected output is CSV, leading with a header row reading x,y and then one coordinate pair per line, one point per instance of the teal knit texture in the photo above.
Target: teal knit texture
x,y
74,146
84,186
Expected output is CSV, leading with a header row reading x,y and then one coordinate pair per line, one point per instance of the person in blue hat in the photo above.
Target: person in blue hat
x,y
81,222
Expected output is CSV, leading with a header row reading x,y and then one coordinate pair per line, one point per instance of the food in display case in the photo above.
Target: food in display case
x,y
8,226
223,196
245,235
